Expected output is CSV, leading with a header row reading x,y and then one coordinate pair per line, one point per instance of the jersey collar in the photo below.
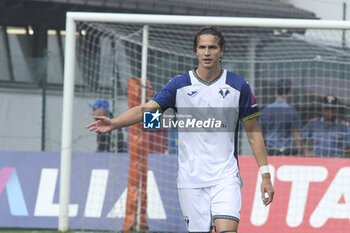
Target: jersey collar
x,y
204,82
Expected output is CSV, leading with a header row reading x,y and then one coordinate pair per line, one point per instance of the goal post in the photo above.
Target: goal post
x,y
251,29
67,121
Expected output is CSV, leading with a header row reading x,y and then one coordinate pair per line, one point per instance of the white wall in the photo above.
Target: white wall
x,y
20,121
324,9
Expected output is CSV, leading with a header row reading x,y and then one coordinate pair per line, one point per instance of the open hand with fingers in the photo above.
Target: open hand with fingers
x,y
101,125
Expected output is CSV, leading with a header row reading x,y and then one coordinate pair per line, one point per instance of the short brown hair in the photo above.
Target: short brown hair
x,y
211,30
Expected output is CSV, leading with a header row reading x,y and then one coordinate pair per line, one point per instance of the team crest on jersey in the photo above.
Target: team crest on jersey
x,y
224,92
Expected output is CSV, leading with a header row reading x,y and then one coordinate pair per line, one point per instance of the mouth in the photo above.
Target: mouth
x,y
207,60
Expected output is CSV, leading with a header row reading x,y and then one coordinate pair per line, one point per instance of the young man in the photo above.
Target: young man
x,y
208,177
280,123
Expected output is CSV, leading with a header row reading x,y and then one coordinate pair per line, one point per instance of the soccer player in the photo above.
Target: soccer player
x,y
208,177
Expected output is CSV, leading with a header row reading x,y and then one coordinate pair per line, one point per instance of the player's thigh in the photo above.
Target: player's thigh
x,y
226,206
195,206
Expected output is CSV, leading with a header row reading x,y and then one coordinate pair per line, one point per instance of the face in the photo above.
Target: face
x,y
209,51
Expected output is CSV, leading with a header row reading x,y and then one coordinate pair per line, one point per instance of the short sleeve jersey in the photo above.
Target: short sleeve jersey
x,y
207,158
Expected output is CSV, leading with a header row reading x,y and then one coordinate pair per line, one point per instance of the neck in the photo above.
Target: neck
x,y
208,75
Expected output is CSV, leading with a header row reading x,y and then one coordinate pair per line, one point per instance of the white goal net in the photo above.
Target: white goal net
x,y
108,68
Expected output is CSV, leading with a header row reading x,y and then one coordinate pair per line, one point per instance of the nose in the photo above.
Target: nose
x,y
207,51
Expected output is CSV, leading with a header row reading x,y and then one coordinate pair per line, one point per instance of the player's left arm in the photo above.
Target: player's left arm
x,y
256,141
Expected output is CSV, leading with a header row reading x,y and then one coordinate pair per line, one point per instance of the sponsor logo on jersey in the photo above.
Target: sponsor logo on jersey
x,y
192,93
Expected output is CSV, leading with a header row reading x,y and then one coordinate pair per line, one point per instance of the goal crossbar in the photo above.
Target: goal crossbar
x,y
207,20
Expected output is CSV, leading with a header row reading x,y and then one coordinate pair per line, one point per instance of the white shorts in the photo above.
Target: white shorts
x,y
200,206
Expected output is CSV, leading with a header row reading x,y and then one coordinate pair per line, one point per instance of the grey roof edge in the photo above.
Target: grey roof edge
x,y
235,8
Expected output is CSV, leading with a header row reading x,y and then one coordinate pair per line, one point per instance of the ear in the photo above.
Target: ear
x,y
196,52
222,50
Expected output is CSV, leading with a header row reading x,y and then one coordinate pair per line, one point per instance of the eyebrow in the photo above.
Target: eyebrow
x,y
208,46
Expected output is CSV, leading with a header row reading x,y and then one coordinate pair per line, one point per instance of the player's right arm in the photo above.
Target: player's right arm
x,y
161,101
103,124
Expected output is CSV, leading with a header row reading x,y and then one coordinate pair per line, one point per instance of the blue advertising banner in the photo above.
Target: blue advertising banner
x,y
29,191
